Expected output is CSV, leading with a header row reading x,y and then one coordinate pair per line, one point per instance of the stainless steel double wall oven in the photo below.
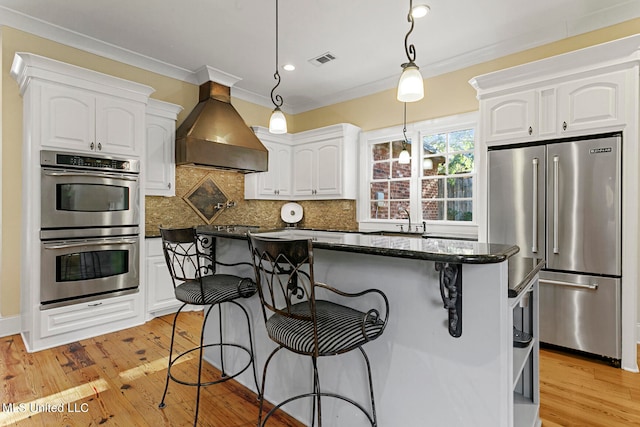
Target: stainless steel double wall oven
x,y
90,217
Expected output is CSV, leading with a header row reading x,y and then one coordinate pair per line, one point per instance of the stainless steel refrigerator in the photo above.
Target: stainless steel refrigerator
x,y
561,201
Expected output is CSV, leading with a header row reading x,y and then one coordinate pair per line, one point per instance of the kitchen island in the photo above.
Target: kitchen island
x,y
453,366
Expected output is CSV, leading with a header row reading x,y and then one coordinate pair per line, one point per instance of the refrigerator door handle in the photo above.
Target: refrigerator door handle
x,y
534,247
591,286
556,190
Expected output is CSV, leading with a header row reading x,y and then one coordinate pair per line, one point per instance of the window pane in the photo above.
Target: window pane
x,y
380,191
380,210
380,151
458,188
400,189
432,144
397,148
433,210
381,170
433,188
401,171
461,140
398,209
459,210
461,163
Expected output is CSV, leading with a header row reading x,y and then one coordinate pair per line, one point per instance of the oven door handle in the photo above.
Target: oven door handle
x,y
79,244
93,175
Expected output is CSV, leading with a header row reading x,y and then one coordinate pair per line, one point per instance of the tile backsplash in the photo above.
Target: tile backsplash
x,y
176,212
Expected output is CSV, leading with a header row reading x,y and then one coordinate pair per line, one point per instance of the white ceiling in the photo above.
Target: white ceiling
x,y
179,37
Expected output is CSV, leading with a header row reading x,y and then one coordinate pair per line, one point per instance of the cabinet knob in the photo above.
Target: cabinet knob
x,y
92,146
169,185
564,125
99,146
530,130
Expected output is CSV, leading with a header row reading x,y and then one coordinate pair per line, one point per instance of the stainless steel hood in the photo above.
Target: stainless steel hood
x,y
214,135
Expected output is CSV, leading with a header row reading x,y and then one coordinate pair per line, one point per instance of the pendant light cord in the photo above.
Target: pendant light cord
x,y
276,99
409,49
404,128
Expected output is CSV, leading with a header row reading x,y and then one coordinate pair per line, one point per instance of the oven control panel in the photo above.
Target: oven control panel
x,y
60,159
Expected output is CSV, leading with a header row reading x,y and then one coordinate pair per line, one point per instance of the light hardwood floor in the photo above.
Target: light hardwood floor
x,y
117,380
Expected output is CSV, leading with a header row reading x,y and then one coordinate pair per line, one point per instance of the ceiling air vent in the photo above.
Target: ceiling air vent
x,y
323,59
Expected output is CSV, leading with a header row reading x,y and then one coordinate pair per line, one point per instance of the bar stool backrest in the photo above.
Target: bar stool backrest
x,y
284,275
185,258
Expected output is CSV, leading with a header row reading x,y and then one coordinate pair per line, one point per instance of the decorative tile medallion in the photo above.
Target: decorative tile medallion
x,y
205,198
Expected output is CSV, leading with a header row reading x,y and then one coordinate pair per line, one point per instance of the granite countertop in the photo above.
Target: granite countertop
x,y
521,271
415,247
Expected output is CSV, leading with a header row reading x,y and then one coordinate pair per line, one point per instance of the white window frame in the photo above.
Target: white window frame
x,y
415,131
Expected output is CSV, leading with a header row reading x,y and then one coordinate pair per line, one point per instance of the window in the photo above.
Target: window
x,y
390,181
447,176
439,186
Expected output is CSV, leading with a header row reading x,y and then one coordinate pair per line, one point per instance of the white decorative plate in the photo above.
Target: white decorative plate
x,y
291,213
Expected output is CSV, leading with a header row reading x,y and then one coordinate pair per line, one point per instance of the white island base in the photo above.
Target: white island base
x,y
422,375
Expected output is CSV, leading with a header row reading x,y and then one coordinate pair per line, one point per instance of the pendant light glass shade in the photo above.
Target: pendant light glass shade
x,y
277,122
405,157
427,164
411,84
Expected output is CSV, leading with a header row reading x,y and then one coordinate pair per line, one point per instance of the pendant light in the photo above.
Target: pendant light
x,y
404,158
411,84
277,122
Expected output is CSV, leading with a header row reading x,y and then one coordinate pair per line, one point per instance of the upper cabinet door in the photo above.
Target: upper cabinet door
x,y
510,117
304,170
118,125
160,164
67,119
592,103
328,168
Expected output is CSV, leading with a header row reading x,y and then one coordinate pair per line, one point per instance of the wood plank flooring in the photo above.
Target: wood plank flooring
x,y
117,380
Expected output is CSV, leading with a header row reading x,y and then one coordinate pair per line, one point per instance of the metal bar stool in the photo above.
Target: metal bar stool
x,y
296,320
192,266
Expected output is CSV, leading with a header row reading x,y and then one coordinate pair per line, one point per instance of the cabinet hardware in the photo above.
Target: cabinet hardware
x,y
169,185
99,146
530,130
92,146
564,125
94,305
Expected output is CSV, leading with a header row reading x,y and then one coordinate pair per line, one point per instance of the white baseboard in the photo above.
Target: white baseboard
x,y
9,326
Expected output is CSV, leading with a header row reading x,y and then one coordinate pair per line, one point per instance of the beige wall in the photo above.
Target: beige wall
x,y
445,95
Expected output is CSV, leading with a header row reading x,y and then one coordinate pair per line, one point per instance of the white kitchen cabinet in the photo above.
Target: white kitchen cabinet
x,y
311,165
324,163
594,90
68,108
275,183
160,166
82,317
590,105
81,121
159,286
318,169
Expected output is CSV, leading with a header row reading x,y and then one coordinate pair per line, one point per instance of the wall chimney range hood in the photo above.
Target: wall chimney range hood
x,y
214,135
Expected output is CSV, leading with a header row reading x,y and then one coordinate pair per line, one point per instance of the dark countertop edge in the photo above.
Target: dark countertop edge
x,y
536,265
397,253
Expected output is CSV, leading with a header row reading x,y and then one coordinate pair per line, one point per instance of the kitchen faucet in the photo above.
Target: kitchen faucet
x,y
401,209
